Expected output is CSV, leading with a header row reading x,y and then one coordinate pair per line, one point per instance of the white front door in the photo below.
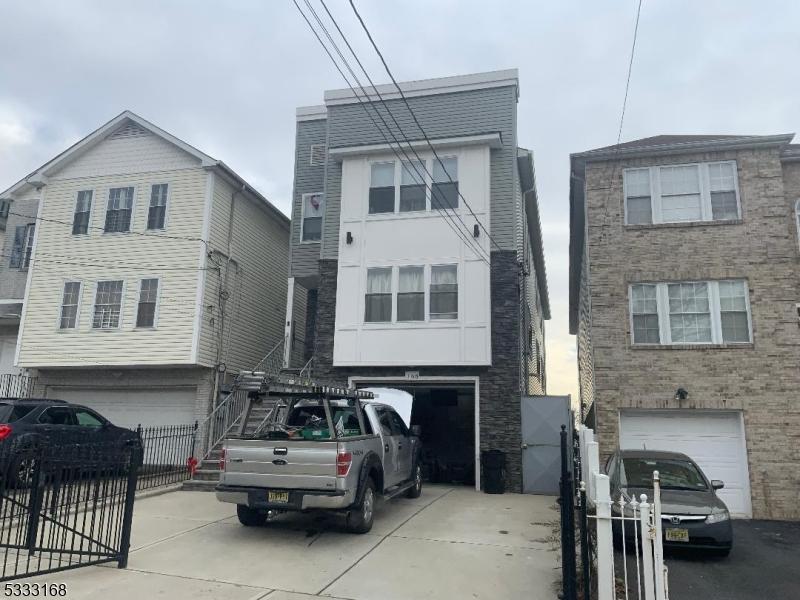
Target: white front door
x,y
713,439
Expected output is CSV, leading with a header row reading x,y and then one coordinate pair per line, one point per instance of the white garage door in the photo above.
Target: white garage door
x,y
131,407
714,440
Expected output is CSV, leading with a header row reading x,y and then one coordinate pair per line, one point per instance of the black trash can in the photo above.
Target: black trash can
x,y
494,471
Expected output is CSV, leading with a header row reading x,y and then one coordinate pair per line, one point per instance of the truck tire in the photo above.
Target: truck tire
x,y
362,514
250,517
415,491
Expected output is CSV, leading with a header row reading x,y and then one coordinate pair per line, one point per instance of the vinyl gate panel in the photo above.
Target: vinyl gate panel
x,y
542,418
713,439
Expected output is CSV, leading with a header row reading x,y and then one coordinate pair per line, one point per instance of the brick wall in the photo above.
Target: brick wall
x,y
761,378
500,391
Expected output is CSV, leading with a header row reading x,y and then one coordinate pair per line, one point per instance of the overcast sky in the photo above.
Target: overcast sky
x,y
227,76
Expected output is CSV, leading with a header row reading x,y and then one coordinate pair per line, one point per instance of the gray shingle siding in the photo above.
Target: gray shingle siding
x,y
308,179
442,116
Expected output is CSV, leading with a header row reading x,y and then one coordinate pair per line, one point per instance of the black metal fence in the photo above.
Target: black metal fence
x,y
167,455
65,506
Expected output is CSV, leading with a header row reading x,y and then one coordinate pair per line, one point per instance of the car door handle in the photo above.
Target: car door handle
x,y
386,447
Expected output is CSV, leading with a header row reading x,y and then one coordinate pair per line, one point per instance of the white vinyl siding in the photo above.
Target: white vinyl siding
x,y
681,193
690,312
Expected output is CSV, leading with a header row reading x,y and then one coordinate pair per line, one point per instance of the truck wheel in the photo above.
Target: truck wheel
x,y
416,490
250,517
361,515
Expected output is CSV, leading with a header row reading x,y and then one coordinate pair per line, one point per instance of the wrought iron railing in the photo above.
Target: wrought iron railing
x,y
17,386
167,454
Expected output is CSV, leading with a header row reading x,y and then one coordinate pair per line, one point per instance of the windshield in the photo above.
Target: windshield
x,y
307,420
675,474
12,412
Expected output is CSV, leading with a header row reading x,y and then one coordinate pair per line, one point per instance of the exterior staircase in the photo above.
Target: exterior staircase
x,y
233,410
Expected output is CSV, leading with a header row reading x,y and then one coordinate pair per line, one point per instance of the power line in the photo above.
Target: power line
x,y
630,70
364,105
394,119
414,116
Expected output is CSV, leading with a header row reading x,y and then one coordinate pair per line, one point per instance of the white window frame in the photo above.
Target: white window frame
x,y
303,217
167,204
138,297
797,219
64,283
662,302
121,306
26,255
705,193
91,211
133,210
427,174
458,292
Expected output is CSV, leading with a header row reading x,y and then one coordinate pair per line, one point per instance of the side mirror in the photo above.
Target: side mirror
x,y
717,484
416,430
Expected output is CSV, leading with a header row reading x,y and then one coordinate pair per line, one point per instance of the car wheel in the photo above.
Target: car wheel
x,y
416,490
250,517
20,473
361,515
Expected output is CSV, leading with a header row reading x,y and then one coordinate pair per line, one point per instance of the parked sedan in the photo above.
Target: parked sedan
x,y
27,422
692,514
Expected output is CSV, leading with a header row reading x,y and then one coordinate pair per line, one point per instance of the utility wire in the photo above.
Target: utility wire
x,y
364,105
414,116
630,70
394,119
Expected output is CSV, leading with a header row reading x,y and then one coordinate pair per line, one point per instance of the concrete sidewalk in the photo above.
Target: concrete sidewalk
x,y
449,543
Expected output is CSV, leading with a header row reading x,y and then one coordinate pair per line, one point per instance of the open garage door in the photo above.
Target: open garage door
x,y
131,407
714,440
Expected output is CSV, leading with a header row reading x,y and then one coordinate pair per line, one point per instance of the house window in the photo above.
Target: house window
x,y
412,186
27,246
69,305
381,188
313,208
411,294
5,205
644,309
119,210
378,299
797,218
317,155
157,213
148,296
107,305
692,312
444,188
444,292
681,193
83,208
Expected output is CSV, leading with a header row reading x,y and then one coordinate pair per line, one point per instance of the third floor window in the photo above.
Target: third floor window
x,y
119,210
681,193
414,185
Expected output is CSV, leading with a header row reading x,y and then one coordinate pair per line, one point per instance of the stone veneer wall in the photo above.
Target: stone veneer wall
x,y
500,392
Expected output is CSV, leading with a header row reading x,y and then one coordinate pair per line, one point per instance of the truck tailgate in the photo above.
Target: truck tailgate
x,y
282,464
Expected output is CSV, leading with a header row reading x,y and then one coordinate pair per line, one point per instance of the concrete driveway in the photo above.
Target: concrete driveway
x,y
764,563
449,543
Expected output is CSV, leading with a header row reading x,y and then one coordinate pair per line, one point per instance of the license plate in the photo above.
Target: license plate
x,y
278,497
676,535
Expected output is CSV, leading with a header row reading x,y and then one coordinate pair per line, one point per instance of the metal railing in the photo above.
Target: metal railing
x,y
229,413
167,452
307,372
17,386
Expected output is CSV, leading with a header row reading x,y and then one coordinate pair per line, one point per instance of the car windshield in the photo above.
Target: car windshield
x,y
675,474
307,420
12,412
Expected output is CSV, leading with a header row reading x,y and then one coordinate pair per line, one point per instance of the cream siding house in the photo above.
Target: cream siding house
x,y
156,273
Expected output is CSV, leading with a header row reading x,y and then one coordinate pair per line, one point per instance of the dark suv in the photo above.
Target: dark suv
x,y
26,421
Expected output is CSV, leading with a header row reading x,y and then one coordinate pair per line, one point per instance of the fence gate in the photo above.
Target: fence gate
x,y
65,506
542,418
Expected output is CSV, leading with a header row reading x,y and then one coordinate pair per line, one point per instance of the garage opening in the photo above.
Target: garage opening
x,y
445,414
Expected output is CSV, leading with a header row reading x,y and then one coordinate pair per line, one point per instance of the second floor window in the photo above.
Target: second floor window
x,y
313,209
444,292
69,305
107,305
681,193
693,312
378,299
157,213
119,209
381,188
22,249
412,186
83,209
148,296
411,294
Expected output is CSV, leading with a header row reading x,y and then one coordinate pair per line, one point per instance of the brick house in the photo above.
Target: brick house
x,y
384,292
684,299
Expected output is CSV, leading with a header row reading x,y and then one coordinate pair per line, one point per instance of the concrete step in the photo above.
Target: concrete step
x,y
206,475
210,464
194,485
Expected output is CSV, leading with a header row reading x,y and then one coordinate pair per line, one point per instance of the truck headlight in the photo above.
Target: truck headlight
x,y
718,515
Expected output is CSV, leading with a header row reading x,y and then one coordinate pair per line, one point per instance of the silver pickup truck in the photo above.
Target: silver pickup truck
x,y
323,453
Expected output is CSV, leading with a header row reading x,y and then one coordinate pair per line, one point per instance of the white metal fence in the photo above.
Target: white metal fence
x,y
635,525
